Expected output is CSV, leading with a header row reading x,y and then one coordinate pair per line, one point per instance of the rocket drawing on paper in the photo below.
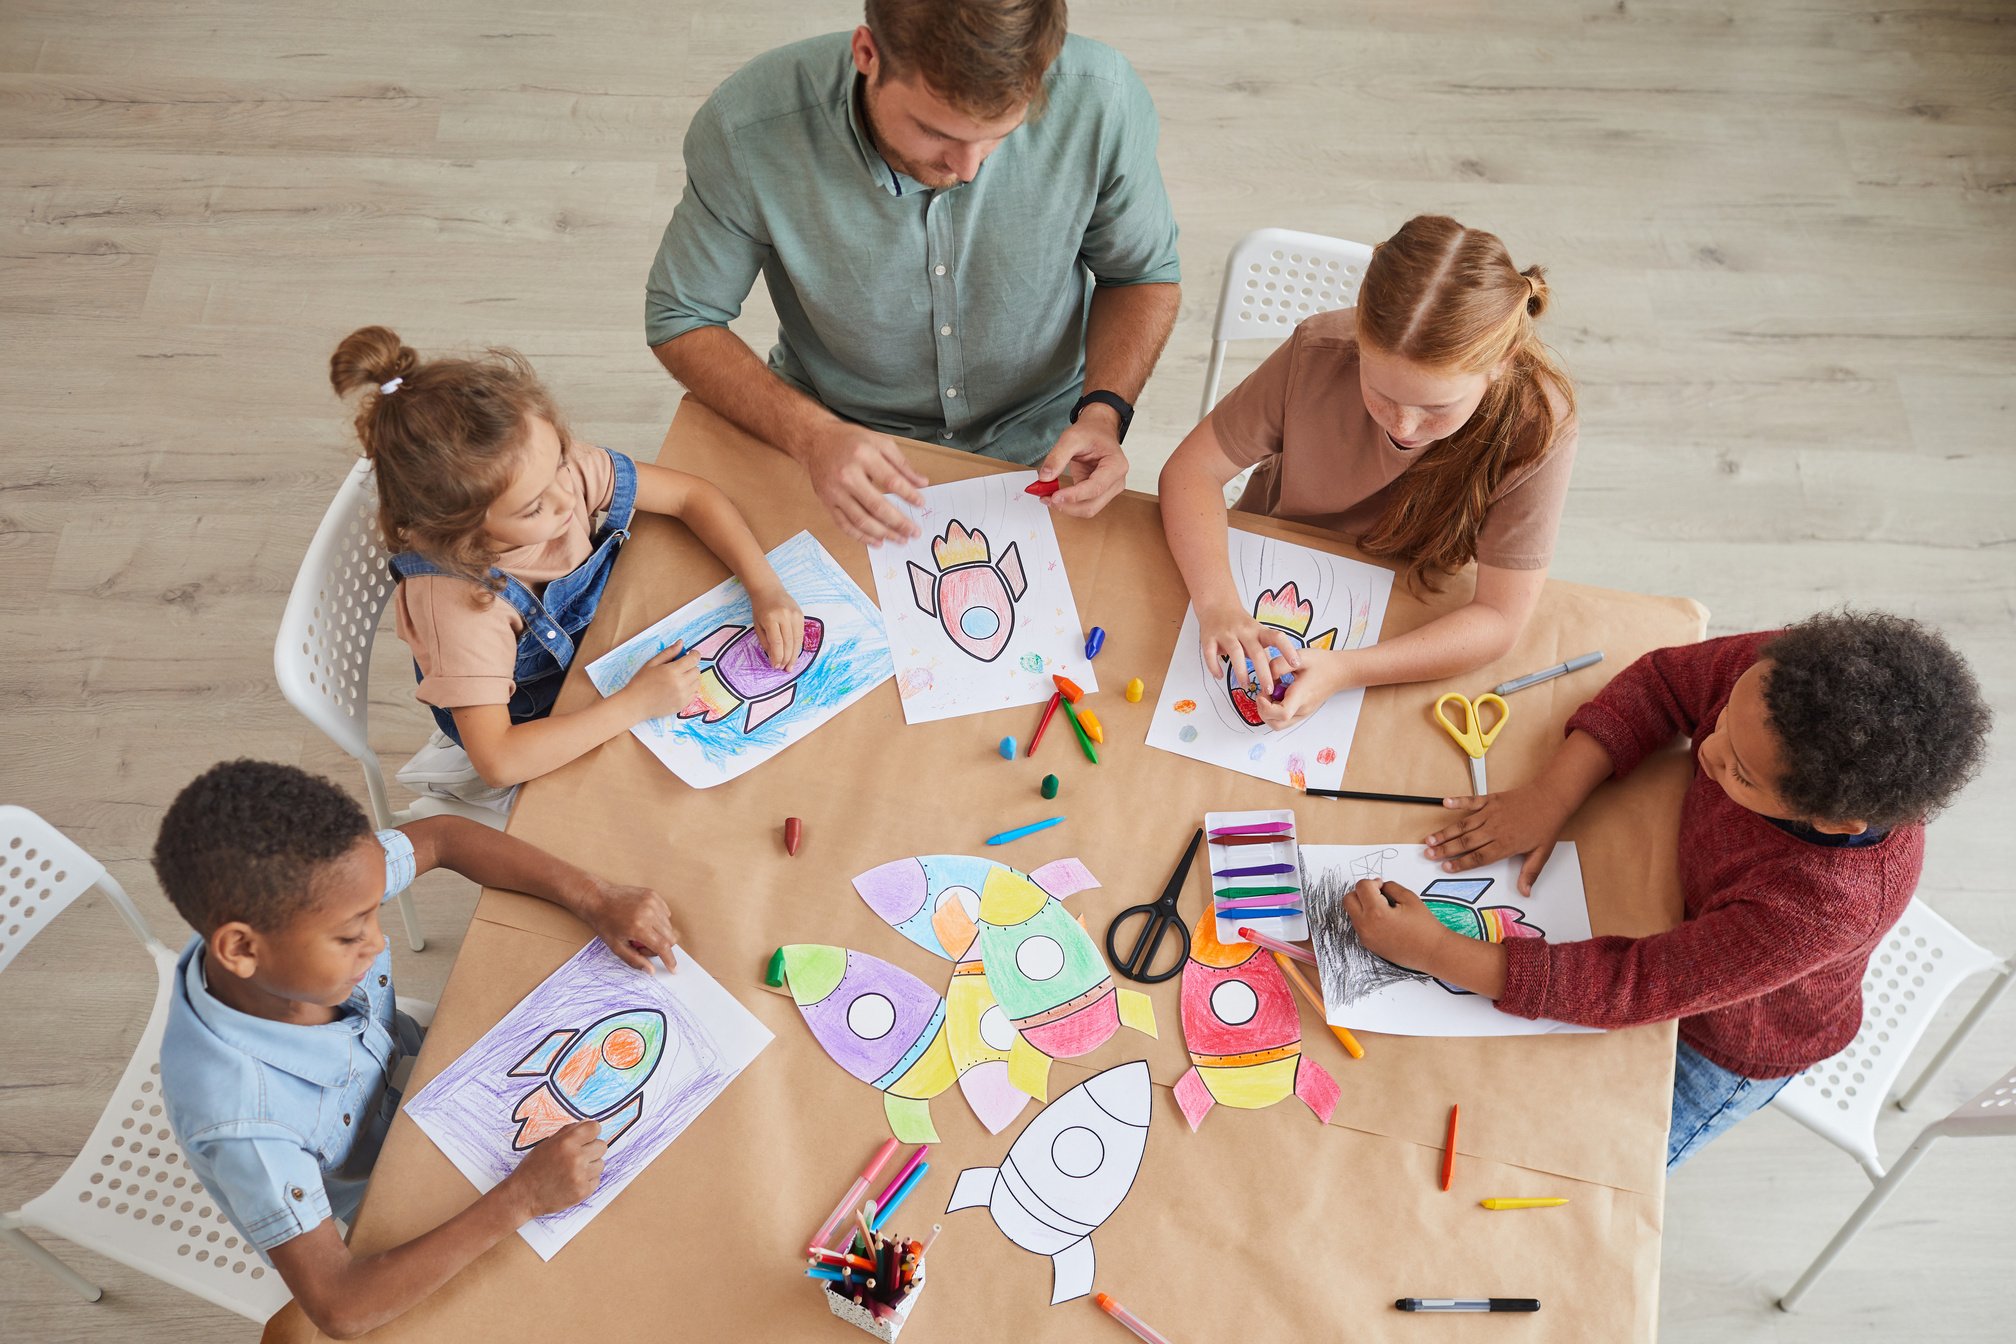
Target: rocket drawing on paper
x,y
1286,617
1066,1174
1453,902
593,1073
741,674
881,1024
973,592
1048,976
1244,1033
934,901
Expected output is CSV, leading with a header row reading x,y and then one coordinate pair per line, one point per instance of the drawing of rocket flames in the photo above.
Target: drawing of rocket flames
x,y
1066,1174
1284,612
594,1073
741,674
1244,1033
1453,902
881,1024
1048,976
973,594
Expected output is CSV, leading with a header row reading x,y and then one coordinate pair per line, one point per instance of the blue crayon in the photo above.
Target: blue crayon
x,y
1286,912
1021,831
1094,642
1007,748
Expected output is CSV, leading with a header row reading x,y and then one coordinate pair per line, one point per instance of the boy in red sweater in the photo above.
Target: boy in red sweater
x,y
1819,753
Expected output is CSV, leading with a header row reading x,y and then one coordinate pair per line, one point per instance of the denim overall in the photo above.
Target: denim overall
x,y
555,618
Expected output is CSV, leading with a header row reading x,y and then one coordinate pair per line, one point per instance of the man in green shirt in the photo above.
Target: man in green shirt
x,y
961,222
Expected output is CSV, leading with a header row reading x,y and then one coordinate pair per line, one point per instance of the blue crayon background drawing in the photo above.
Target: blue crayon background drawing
x,y
851,659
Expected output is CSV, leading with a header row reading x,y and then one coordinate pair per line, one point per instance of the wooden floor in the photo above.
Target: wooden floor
x,y
1779,231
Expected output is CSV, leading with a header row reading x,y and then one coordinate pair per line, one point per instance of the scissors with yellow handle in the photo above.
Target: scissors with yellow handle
x,y
1471,736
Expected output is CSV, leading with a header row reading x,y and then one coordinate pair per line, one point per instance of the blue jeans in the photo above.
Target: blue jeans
x,y
1708,1100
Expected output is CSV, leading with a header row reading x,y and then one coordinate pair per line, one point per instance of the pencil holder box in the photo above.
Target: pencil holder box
x,y
1269,869
885,1327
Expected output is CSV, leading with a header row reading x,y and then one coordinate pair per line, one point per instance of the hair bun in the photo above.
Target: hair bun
x,y
1536,290
370,356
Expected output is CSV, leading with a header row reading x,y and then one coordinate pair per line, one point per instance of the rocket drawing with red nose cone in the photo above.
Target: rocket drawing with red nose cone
x,y
742,674
1285,616
1244,1033
972,593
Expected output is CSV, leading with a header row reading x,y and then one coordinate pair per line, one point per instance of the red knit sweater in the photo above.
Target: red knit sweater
x,y
1765,969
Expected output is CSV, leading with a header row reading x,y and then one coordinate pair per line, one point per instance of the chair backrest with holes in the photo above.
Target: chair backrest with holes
x,y
1276,277
1990,1111
322,657
1918,966
130,1195
42,870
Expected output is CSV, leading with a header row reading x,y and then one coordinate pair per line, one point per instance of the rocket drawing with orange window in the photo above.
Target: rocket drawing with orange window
x,y
972,591
595,1073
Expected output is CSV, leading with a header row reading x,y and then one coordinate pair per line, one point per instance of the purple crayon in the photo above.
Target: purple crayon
x,y
742,674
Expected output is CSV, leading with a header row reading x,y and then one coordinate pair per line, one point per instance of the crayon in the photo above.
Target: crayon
x,y
1090,723
794,835
1449,1151
1520,1203
1230,841
1005,836
1084,741
1134,691
1056,698
1068,688
1041,489
1007,748
1094,642
1261,912
774,977
1050,786
1276,828
1236,893
1255,870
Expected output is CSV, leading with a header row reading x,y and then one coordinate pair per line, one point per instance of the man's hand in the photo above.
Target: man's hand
x,y
561,1170
1526,820
634,921
1392,923
1093,447
852,468
1319,674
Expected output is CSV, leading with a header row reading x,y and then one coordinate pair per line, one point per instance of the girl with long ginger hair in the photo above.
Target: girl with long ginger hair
x,y
1429,425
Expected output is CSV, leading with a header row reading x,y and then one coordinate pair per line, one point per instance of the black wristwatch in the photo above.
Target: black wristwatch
x,y
1115,400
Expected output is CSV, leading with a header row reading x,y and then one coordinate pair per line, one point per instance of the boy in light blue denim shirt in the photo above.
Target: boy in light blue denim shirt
x,y
283,1040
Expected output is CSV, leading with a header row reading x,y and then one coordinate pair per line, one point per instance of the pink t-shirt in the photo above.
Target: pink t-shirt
x,y
464,639
1324,460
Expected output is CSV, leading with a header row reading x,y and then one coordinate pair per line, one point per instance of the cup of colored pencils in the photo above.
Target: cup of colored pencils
x,y
873,1281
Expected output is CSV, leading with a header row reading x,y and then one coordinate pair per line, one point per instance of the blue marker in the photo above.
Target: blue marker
x,y
1021,831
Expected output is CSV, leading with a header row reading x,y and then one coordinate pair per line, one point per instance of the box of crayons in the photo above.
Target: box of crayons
x,y
1256,874
875,1304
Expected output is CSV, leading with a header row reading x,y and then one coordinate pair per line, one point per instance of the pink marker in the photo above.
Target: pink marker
x,y
852,1197
896,1181
1276,945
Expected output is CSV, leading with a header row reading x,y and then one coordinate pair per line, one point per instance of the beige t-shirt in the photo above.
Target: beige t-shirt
x,y
466,641
1324,460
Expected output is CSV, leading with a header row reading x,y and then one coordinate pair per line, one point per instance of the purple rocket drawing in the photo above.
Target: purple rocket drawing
x,y
742,674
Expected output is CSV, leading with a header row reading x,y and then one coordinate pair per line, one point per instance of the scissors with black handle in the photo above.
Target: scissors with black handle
x,y
1157,920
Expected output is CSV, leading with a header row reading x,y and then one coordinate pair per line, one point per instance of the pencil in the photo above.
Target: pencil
x,y
1449,1150
1349,1042
1371,797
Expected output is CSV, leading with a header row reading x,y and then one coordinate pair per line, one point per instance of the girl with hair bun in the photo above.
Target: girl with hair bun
x,y
1429,425
490,509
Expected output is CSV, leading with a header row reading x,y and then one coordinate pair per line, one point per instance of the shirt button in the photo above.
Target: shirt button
x,y
550,634
951,391
295,1192
383,981
946,435
937,270
346,1117
945,330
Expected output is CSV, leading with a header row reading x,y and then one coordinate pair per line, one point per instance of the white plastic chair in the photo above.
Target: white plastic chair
x,y
1920,964
322,655
129,1195
1273,279
1991,1114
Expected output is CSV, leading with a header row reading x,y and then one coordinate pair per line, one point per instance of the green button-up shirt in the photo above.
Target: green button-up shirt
x,y
957,315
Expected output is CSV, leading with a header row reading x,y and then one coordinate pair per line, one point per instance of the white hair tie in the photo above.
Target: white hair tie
x,y
389,387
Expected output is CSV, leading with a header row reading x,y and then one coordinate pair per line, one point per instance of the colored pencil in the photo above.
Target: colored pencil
x,y
1522,1203
853,1195
1449,1150
936,1228
1079,728
1020,831
902,1174
824,1272
1371,797
1344,1037
1276,945
1056,698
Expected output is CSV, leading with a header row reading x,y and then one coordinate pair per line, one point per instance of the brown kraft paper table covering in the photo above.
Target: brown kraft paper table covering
x,y
1264,1225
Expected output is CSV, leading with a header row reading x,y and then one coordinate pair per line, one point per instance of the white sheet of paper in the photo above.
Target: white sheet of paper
x,y
1335,602
752,711
471,1109
978,607
1366,993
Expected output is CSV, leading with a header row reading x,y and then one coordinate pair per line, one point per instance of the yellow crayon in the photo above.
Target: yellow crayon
x,y
1523,1203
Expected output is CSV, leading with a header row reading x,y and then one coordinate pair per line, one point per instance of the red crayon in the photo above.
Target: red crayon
x,y
1449,1149
1042,489
1055,698
794,834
